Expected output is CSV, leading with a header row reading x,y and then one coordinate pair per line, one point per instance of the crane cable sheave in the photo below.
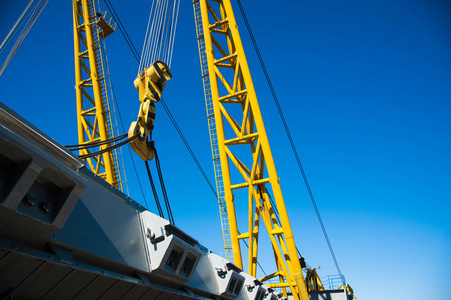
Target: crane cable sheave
x,y
150,84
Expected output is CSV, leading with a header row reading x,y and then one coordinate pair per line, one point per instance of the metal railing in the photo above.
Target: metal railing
x,y
332,282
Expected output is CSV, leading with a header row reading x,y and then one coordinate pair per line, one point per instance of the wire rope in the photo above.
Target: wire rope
x,y
143,61
301,168
161,49
122,28
154,190
30,19
188,147
173,35
128,147
166,108
14,29
146,40
163,189
157,40
97,143
136,55
89,155
161,40
160,33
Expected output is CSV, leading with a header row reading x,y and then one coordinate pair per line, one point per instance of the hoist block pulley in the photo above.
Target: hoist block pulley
x,y
150,84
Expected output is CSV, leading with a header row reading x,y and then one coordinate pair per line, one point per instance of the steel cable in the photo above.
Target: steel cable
x,y
304,176
188,147
144,61
30,19
163,189
136,55
89,155
168,112
122,28
128,146
12,33
96,144
154,190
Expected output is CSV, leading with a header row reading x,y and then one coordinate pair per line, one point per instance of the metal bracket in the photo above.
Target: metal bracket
x,y
153,239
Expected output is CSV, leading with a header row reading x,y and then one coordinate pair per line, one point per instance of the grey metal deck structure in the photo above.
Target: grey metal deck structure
x,y
67,234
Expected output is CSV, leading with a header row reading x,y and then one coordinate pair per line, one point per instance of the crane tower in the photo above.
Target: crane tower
x,y
235,121
94,113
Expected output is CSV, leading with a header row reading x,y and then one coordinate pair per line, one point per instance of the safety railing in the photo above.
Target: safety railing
x,y
332,282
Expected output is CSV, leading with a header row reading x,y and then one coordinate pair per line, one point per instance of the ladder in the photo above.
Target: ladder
x,y
213,134
111,122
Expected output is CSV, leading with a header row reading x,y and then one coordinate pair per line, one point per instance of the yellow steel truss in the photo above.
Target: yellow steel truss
x,y
232,103
93,111
213,134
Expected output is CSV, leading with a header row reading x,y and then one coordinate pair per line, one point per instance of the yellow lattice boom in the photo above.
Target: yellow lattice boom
x,y
94,116
238,124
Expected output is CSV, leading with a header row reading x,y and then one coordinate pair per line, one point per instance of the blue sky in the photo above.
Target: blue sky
x,y
365,88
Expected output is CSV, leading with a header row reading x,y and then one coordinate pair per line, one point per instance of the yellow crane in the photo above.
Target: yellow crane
x,y
235,123
241,152
94,113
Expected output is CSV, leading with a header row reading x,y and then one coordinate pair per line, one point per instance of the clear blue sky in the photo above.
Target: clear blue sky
x,y
365,87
